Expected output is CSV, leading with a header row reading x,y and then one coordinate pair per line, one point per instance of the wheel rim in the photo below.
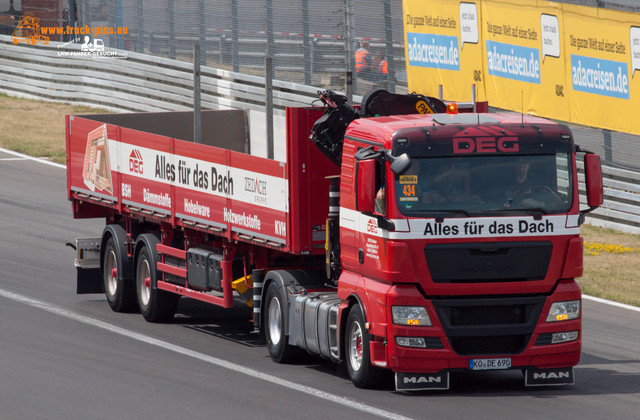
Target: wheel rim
x,y
275,321
355,346
111,268
144,291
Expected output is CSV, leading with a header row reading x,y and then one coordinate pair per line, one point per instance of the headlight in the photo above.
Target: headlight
x,y
410,315
564,337
562,311
411,342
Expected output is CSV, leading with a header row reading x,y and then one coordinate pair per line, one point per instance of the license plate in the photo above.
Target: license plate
x,y
489,364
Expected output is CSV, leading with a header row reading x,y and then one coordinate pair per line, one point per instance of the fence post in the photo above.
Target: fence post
x,y
271,50
312,57
473,96
348,42
388,42
197,121
119,24
234,35
201,31
72,14
224,56
608,151
172,30
306,44
268,87
140,27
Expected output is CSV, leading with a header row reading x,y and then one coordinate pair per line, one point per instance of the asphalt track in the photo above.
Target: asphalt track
x,y
68,356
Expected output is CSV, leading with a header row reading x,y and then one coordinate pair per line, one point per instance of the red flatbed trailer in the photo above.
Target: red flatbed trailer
x,y
418,286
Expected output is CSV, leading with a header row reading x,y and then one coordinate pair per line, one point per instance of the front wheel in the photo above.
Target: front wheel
x,y
274,316
356,341
155,305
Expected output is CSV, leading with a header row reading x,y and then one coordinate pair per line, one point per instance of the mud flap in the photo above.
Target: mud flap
x,y
546,377
422,381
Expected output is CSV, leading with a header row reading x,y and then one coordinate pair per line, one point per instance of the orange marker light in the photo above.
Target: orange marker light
x,y
452,108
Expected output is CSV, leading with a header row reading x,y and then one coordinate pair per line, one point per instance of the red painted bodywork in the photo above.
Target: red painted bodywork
x,y
399,276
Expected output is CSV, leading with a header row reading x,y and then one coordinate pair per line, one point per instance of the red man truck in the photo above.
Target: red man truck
x,y
441,242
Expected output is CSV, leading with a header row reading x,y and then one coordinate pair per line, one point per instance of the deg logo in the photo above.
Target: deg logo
x,y
135,162
372,226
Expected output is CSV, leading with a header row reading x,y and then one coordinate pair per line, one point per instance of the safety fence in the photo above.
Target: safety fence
x,y
144,82
131,81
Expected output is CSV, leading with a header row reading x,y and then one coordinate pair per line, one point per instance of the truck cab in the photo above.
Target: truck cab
x,y
466,258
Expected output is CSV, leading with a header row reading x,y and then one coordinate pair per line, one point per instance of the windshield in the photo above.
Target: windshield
x,y
476,184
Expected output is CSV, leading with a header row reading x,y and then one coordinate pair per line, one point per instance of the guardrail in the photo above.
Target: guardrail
x,y
621,208
138,83
148,83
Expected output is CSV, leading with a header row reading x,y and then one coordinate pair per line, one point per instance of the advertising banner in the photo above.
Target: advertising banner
x,y
443,48
603,59
572,63
524,57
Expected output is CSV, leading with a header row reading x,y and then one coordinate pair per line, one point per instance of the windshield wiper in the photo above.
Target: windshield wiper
x,y
535,211
439,212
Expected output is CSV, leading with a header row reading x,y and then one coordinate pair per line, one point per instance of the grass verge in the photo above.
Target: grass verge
x,y
36,128
611,260
611,265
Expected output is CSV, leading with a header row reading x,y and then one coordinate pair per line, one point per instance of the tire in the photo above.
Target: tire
x,y
356,341
120,292
155,305
274,327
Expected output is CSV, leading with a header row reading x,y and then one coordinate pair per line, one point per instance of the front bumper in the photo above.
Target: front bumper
x,y
522,334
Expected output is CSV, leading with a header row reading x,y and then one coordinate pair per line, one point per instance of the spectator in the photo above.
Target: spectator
x,y
362,57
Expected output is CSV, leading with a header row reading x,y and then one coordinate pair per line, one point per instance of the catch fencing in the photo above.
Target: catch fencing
x,y
311,43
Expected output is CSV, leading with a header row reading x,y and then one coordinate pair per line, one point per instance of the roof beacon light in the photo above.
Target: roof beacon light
x,y
452,108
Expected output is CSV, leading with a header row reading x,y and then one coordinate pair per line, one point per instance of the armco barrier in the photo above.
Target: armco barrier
x,y
147,83
138,83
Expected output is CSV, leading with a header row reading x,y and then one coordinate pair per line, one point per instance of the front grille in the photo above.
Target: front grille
x,y
479,262
433,343
488,315
544,339
489,325
509,344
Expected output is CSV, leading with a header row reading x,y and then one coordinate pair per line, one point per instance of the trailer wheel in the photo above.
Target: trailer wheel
x,y
277,341
356,341
120,293
155,305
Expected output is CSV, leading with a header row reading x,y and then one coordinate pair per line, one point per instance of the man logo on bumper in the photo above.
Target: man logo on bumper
x,y
541,377
421,381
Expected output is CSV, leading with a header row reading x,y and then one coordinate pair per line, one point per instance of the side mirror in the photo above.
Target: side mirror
x,y
401,164
366,185
593,180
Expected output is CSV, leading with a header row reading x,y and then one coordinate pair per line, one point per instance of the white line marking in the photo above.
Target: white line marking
x,y
23,156
612,303
66,313
12,159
